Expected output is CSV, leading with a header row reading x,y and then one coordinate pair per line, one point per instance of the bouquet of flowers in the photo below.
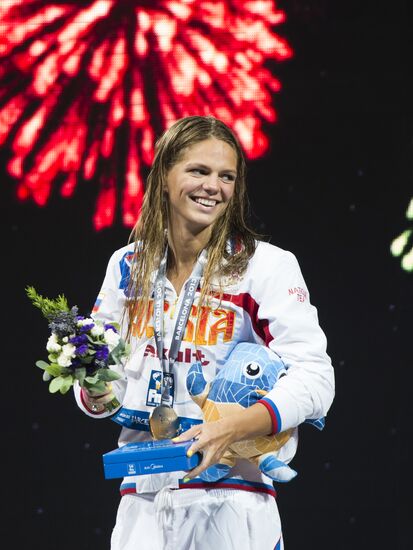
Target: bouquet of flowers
x,y
80,348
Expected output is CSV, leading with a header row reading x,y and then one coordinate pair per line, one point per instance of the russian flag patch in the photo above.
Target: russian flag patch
x,y
98,302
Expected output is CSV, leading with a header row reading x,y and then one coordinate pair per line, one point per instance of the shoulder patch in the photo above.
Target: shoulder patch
x,y
99,299
300,293
125,267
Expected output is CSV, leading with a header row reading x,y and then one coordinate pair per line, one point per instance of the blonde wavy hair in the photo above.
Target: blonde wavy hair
x,y
150,231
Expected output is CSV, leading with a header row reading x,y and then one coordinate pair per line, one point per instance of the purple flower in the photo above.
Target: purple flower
x,y
82,350
108,326
86,328
77,340
90,370
102,353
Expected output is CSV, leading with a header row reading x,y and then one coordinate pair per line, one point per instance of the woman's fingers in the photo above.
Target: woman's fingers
x,y
192,433
203,465
107,398
213,440
97,402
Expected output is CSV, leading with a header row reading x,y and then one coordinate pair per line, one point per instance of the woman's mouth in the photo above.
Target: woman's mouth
x,y
205,202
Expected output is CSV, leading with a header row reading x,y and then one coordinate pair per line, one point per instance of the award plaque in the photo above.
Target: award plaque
x,y
149,457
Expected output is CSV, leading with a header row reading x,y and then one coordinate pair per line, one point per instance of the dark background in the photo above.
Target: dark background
x,y
334,190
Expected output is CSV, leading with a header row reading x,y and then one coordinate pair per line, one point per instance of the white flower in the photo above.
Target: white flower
x,y
97,330
111,338
87,321
64,360
53,344
69,350
65,339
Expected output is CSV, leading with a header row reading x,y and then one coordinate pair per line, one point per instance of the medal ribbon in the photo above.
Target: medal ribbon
x,y
180,325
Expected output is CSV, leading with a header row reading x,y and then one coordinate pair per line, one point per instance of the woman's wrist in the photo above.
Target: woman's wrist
x,y
252,422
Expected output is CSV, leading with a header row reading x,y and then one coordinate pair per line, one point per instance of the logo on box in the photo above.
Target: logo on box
x,y
131,469
153,466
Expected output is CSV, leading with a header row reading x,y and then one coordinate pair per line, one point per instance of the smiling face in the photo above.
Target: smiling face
x,y
200,185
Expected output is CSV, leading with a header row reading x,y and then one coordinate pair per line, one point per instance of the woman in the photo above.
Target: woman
x,y
193,224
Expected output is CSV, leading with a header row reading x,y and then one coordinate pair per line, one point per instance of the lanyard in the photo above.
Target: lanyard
x,y
184,311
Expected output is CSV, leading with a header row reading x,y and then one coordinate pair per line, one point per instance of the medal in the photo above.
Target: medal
x,y
164,422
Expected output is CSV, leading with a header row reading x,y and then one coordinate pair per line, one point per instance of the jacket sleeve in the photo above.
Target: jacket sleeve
x,y
294,334
108,308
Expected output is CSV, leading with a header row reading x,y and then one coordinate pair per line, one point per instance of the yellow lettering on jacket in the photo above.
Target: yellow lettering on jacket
x,y
201,331
224,326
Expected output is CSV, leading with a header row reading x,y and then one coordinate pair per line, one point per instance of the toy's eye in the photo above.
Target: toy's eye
x,y
252,370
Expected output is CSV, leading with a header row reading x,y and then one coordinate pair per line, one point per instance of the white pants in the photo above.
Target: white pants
x,y
197,519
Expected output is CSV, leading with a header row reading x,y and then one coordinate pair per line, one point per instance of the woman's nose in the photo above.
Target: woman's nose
x,y
211,183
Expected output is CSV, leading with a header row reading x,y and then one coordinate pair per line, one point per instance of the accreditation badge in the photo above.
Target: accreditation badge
x,y
154,393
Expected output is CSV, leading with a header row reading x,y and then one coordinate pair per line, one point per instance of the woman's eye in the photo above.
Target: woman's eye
x,y
198,171
228,177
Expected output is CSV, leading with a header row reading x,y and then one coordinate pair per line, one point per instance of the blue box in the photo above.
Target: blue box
x,y
149,457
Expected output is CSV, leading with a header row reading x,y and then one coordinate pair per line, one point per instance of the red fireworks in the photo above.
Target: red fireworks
x,y
85,86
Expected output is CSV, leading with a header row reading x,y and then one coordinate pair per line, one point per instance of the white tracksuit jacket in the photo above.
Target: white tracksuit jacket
x,y
269,305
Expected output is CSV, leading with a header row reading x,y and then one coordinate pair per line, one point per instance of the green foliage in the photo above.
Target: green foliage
x,y
108,375
42,365
92,379
97,387
80,374
54,369
48,307
46,376
120,351
61,383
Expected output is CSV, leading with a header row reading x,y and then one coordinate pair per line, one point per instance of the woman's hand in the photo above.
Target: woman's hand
x,y
96,403
212,439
